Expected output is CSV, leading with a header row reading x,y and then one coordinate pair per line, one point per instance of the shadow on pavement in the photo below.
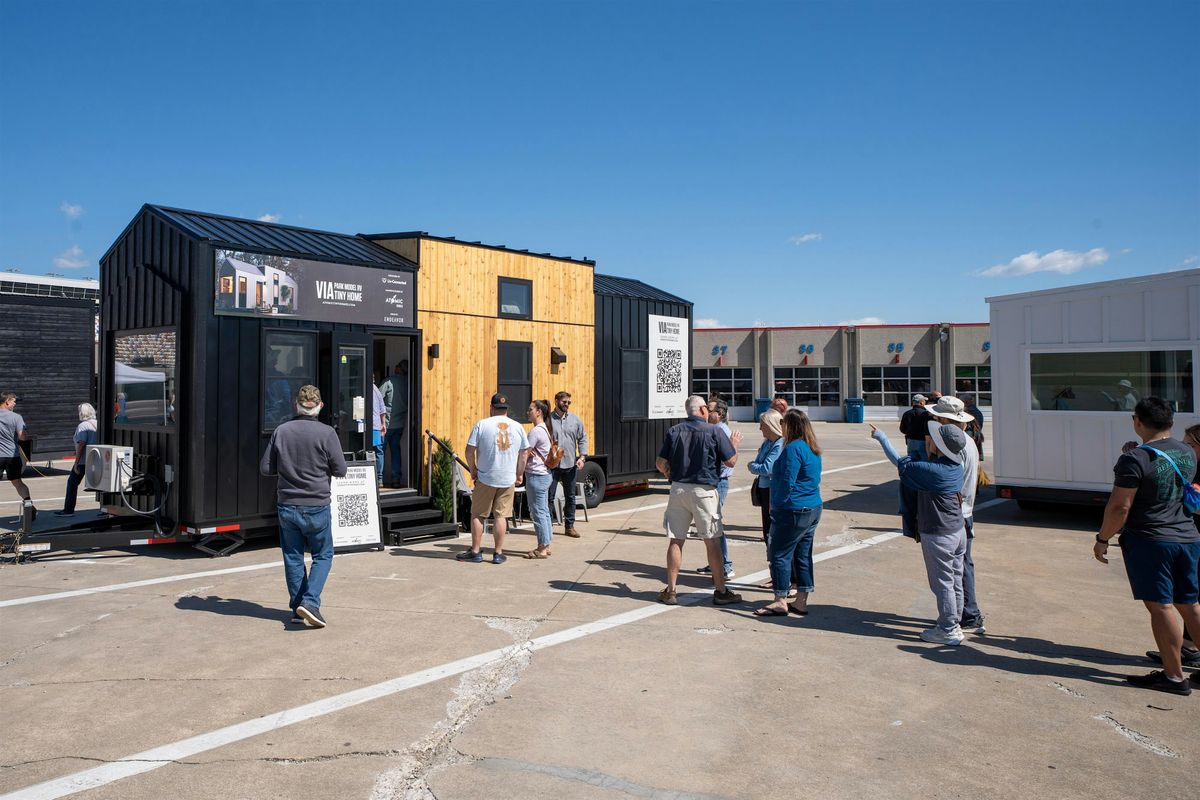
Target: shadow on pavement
x,y
231,607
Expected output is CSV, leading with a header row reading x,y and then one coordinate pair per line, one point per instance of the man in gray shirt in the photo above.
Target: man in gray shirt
x,y
395,398
569,434
12,433
304,452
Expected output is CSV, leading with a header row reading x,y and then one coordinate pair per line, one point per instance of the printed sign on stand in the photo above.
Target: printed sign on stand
x,y
354,507
668,364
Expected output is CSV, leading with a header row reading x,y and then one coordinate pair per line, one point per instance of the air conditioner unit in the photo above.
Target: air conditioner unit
x,y
107,468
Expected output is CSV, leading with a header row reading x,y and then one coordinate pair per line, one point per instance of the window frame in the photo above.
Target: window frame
x,y
730,394
501,383
884,378
974,377
820,370
500,282
625,415
1133,347
267,335
171,427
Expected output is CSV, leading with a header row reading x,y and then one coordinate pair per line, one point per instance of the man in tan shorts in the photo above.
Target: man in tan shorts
x,y
691,457
496,452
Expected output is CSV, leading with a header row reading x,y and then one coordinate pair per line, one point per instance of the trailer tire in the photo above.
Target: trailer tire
x,y
594,482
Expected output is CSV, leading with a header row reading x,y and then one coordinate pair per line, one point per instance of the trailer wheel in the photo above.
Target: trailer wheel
x,y
594,482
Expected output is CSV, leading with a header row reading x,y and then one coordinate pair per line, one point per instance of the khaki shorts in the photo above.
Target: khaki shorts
x,y
489,501
691,502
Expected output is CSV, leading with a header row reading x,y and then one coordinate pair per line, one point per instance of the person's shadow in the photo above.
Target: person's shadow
x,y
232,607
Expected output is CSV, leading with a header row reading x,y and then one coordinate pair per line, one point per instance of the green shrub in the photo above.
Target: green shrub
x,y
442,483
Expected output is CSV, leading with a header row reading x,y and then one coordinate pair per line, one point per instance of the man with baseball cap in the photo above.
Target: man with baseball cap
x,y
304,452
496,452
952,411
940,526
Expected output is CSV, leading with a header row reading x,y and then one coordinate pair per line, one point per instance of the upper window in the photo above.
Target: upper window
x,y
735,385
516,298
289,362
894,385
809,386
1110,381
635,384
975,379
144,378
515,376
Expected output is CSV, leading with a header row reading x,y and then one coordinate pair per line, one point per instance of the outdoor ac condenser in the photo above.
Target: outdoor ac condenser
x,y
107,468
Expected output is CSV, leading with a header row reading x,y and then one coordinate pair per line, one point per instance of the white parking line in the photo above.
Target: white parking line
x,y
148,760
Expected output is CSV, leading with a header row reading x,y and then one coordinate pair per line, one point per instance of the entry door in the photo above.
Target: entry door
x,y
351,412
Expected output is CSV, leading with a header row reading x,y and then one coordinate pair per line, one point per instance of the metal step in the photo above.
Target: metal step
x,y
439,530
412,519
388,503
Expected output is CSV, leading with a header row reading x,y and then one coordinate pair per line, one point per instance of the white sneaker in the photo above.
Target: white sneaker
x,y
938,636
730,575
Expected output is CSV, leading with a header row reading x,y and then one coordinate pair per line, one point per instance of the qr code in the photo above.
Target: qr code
x,y
352,511
670,371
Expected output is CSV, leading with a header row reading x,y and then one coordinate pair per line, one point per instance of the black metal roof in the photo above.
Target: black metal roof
x,y
628,287
453,240
254,235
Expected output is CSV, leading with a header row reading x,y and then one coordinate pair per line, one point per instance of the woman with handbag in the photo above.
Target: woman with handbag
x,y
541,461
770,423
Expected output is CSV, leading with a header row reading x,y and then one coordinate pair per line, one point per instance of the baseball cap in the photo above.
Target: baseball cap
x,y
919,398
309,396
499,400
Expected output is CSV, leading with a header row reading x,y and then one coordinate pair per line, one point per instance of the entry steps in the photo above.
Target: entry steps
x,y
406,516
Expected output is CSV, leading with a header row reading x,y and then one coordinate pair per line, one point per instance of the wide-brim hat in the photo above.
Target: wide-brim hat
x,y
948,407
949,439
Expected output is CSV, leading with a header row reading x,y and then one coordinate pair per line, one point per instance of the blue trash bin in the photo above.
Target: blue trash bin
x,y
761,406
855,409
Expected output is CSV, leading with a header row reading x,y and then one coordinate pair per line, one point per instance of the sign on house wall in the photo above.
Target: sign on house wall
x,y
668,346
259,285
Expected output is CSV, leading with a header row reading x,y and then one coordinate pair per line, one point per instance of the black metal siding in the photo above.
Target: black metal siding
x,y
622,322
46,354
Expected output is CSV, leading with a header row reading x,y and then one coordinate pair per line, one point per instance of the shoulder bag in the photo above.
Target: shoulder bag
x,y
1191,495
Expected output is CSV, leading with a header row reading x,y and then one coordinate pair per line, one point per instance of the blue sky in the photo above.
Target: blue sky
x,y
776,163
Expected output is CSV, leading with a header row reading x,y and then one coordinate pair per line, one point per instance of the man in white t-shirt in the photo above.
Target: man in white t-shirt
x,y
952,411
496,452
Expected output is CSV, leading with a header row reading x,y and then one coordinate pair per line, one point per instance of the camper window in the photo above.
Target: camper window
x,y
144,378
289,362
635,384
516,298
1113,380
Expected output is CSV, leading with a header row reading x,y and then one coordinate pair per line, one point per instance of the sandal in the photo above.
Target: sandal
x,y
768,611
797,611
536,554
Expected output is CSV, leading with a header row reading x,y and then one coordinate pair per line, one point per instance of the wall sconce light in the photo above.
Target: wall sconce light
x,y
557,356
944,334
434,350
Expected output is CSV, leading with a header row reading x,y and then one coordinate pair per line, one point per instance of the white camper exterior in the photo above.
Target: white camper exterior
x,y
1067,367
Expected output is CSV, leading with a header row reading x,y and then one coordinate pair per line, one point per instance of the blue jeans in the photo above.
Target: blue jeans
x,y
566,476
537,492
970,602
393,440
916,449
73,481
722,490
302,527
377,444
790,549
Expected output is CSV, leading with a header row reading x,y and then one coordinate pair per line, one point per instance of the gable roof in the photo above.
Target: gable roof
x,y
628,287
256,236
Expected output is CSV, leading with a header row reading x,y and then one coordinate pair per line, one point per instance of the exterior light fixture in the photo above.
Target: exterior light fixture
x,y
557,356
435,350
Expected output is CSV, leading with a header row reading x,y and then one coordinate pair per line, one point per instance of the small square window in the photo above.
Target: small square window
x,y
516,298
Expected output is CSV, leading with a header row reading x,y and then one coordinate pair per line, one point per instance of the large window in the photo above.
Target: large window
x,y
515,376
289,362
516,298
894,385
144,378
974,379
1110,381
635,384
809,386
734,384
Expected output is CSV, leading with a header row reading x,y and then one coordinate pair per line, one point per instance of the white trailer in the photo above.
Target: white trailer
x,y
1069,364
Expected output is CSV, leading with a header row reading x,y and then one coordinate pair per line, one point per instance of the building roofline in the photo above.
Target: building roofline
x,y
452,240
51,280
856,327
1153,277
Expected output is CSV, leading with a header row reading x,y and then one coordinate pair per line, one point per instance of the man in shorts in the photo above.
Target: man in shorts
x,y
496,452
1159,543
690,458
12,433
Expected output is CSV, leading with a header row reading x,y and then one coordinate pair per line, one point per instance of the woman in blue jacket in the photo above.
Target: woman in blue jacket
x,y
770,423
795,512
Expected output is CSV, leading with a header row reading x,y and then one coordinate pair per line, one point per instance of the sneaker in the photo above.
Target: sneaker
x,y
938,636
474,556
730,574
1159,681
726,598
311,616
497,558
296,618
1191,657
668,598
705,570
974,626
64,513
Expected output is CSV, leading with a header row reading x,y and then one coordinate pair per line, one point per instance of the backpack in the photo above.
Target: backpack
x,y
553,456
1191,494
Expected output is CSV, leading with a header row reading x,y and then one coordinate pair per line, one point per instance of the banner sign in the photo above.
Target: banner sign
x,y
258,285
354,507
668,366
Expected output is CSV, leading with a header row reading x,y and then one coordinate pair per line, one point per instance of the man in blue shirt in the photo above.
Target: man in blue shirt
x,y
691,457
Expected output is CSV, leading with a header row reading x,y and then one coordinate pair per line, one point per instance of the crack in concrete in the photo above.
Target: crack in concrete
x,y
476,691
592,778
1067,689
1140,739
